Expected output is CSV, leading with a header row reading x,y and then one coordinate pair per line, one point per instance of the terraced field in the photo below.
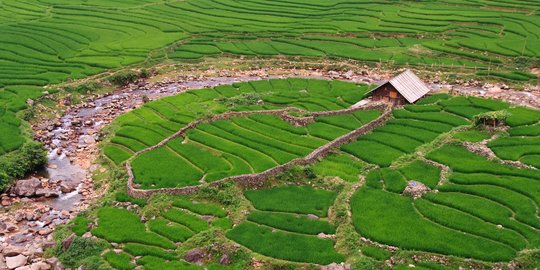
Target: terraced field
x,y
238,145
280,228
47,42
152,244
523,142
475,211
417,125
484,210
254,143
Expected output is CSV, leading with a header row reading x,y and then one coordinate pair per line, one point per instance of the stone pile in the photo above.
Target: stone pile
x,y
25,233
415,189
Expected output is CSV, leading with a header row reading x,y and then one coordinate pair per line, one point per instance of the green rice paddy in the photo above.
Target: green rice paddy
x,y
480,209
280,229
523,140
48,42
483,210
152,243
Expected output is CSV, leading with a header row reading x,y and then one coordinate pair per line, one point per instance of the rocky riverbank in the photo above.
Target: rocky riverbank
x,y
33,207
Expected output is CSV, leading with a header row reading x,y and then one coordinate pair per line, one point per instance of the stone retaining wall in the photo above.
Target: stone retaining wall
x,y
258,179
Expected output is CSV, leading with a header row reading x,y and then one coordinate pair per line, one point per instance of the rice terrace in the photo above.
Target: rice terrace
x,y
288,134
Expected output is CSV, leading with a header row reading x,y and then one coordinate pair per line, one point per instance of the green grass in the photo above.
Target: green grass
x,y
377,253
531,130
172,231
200,208
188,220
392,219
80,225
393,181
455,219
283,245
520,116
121,226
472,136
420,171
417,125
471,163
522,145
120,261
143,250
124,197
340,165
156,263
292,199
292,222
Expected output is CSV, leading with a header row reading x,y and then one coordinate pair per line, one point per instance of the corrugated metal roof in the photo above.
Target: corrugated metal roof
x,y
408,85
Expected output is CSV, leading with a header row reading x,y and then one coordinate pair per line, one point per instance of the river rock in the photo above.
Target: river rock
x,y
335,266
6,227
47,192
194,255
225,260
12,250
67,242
16,261
40,266
26,188
67,188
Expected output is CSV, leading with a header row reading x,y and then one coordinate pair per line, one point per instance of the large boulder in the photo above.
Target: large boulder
x,y
26,188
16,261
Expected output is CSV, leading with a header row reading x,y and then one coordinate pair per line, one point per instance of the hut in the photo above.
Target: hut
x,y
403,89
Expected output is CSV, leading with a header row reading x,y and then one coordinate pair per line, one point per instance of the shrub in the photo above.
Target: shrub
x,y
30,157
123,78
81,249
84,88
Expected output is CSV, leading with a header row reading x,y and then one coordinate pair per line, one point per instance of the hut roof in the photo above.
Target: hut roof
x,y
408,85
